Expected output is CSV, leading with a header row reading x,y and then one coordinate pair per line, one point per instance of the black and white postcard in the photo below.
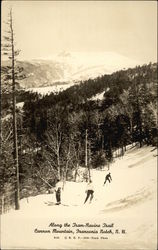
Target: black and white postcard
x,y
78,125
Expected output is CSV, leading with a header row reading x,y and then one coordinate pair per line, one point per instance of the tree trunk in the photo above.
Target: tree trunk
x,y
102,144
89,161
58,165
2,204
76,171
58,139
122,150
86,156
15,149
86,149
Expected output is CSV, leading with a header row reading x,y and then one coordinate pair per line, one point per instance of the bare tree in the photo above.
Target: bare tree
x,y
10,76
54,142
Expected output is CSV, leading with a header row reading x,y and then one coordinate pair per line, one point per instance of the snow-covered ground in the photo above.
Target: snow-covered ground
x,y
99,96
128,203
50,89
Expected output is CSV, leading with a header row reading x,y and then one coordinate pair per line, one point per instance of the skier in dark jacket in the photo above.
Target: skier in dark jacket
x,y
108,178
58,192
89,191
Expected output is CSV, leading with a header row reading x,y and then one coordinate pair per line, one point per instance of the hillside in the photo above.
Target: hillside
x,y
113,84
69,68
128,202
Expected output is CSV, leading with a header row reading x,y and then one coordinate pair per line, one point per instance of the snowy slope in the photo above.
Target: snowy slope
x,y
50,89
99,96
127,203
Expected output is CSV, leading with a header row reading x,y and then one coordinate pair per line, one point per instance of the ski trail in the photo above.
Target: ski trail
x,y
129,201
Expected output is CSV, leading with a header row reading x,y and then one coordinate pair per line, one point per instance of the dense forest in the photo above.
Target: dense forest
x,y
59,133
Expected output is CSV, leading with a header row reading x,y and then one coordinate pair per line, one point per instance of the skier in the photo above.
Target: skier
x,y
108,178
89,191
58,191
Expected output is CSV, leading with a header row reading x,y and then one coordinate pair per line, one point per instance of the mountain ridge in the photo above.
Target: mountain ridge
x,y
70,68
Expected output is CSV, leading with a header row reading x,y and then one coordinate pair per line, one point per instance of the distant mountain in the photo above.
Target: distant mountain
x,y
70,68
85,65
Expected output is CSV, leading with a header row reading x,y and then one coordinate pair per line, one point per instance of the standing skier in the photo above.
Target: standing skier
x,y
89,191
58,192
108,178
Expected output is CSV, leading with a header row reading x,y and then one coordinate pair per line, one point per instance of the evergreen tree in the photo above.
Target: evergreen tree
x,y
11,75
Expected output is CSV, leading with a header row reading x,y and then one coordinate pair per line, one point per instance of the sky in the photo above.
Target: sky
x,y
44,28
